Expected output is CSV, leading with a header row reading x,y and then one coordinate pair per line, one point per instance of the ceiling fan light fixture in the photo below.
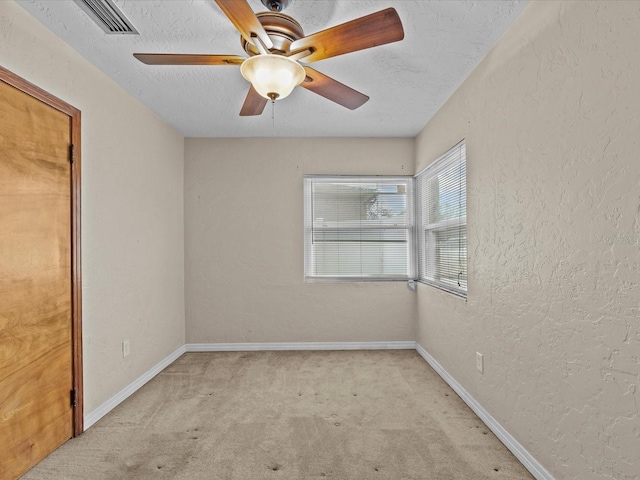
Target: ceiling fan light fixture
x,y
273,76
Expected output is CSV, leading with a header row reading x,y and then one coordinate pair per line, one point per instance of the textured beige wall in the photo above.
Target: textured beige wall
x,y
244,244
132,209
551,121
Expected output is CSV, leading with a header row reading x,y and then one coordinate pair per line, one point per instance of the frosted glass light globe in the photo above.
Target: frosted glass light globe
x,y
273,76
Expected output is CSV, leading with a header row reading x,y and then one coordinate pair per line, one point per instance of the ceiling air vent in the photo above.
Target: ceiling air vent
x,y
107,16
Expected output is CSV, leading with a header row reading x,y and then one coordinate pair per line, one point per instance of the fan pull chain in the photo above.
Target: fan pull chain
x,y
273,114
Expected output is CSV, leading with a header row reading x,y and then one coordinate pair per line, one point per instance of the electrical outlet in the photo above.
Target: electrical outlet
x,y
480,362
125,348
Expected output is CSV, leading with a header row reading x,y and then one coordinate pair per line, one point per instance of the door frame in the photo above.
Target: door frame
x,y
76,272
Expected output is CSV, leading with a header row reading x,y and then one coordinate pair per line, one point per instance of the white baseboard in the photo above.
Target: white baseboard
x,y
118,398
249,347
529,462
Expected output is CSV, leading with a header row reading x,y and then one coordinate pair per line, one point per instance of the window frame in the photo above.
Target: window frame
x,y
425,232
409,227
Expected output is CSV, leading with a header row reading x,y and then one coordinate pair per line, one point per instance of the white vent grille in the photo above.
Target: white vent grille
x,y
107,16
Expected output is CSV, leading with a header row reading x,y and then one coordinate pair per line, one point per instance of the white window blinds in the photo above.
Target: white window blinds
x,y
442,222
359,228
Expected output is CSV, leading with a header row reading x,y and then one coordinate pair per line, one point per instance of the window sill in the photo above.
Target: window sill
x,y
354,279
452,291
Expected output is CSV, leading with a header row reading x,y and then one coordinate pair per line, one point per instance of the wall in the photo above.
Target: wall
x,y
244,244
551,123
132,209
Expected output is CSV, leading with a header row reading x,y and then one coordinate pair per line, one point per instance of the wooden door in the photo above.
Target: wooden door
x,y
36,281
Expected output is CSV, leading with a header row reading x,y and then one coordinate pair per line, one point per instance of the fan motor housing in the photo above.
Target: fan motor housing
x,y
281,29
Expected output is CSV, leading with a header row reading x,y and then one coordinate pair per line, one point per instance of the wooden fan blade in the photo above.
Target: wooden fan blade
x,y
254,104
242,16
365,32
187,59
333,90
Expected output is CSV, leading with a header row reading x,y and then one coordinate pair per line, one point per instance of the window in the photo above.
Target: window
x,y
359,228
442,222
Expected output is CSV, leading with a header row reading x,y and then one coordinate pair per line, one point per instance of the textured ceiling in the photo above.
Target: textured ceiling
x,y
407,81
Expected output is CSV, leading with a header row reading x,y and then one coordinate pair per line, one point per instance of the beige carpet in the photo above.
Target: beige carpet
x,y
288,415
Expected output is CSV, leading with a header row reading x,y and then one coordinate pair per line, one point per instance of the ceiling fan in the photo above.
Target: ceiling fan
x,y
275,43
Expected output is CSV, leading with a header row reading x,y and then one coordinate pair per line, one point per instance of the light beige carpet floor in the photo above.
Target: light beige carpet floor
x,y
288,415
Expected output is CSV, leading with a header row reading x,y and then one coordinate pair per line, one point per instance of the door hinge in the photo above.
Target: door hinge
x,y
74,397
71,153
